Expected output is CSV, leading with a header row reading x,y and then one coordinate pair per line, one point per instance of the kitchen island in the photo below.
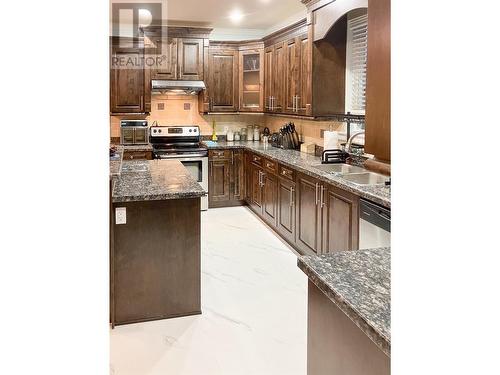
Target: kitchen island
x,y
349,312
156,244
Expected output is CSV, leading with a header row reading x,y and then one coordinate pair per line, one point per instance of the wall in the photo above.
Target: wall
x,y
175,114
309,130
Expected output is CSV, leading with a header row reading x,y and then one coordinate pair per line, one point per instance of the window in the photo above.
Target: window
x,y
357,33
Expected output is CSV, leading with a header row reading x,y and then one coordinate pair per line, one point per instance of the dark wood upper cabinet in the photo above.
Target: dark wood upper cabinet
x,y
378,85
292,74
223,80
268,77
304,95
190,59
127,84
298,75
279,78
251,79
166,58
340,220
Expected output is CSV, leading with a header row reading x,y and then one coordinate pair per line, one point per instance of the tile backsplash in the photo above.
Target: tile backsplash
x,y
183,110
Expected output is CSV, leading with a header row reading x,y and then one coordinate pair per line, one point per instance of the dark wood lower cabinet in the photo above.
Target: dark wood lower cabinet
x,y
286,209
238,176
309,214
270,199
220,181
226,182
256,185
248,177
340,220
138,155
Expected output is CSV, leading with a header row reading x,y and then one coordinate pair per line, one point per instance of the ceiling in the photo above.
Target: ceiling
x,y
258,14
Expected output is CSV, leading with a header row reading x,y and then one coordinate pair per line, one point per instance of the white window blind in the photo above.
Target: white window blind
x,y
357,42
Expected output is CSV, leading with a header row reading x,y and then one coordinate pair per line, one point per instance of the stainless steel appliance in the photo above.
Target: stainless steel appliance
x,y
374,225
177,87
183,143
134,132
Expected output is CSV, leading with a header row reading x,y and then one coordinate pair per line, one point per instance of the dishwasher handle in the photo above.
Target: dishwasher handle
x,y
375,214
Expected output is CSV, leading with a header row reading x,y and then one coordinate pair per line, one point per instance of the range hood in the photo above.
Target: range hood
x,y
177,87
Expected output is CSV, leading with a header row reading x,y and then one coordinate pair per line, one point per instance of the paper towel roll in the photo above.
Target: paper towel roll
x,y
331,140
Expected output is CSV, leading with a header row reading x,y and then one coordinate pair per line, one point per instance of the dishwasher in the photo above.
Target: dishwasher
x,y
374,225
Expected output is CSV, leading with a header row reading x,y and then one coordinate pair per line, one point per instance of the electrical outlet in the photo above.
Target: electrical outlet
x,y
187,106
121,215
322,133
161,106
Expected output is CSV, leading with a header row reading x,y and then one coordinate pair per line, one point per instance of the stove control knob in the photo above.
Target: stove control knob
x,y
159,130
190,130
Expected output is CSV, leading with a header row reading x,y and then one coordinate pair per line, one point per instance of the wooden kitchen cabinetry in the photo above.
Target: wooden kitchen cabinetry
x,y
327,217
226,178
138,155
127,80
298,75
251,80
274,78
311,215
340,219
378,84
177,58
264,198
286,204
302,77
308,215
223,79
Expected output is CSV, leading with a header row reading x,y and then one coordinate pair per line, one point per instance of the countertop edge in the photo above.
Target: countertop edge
x,y
159,197
382,342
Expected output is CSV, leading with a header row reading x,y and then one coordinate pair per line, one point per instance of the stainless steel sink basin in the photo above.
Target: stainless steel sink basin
x,y
339,168
367,178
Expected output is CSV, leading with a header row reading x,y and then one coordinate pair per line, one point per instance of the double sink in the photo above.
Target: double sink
x,y
356,175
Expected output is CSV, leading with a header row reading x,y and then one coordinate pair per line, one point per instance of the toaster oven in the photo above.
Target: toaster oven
x,y
134,132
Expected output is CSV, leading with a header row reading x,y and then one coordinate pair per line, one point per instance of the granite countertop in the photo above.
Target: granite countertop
x,y
153,180
138,148
115,163
304,163
359,283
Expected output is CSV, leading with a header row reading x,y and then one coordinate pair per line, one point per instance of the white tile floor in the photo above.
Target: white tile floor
x,y
254,301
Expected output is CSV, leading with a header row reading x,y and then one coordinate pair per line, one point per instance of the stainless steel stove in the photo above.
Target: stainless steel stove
x,y
183,143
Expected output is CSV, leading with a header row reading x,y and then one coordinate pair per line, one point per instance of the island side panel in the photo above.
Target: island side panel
x,y
157,261
335,345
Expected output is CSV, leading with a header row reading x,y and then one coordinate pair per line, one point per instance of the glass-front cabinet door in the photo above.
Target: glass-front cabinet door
x,y
251,81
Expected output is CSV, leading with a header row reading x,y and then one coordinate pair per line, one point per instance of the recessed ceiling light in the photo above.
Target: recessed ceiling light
x,y
236,16
145,17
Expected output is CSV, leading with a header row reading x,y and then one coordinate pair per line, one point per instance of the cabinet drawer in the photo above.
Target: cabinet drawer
x,y
286,173
220,154
256,159
271,166
137,155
